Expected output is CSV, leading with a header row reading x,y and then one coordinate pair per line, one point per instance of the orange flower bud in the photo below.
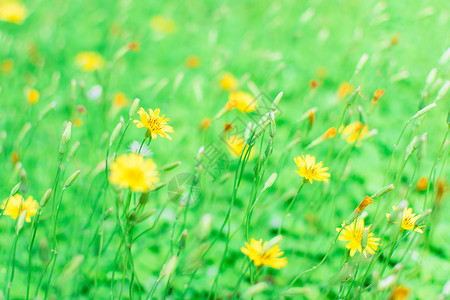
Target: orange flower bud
x,y
331,132
314,84
311,116
205,123
227,127
366,202
134,46
193,62
422,184
14,157
377,95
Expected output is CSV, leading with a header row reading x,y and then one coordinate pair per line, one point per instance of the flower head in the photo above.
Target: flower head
x,y
344,90
236,145
33,96
244,102
377,95
120,100
422,184
228,82
193,61
205,123
356,235
134,172
16,205
89,61
12,11
309,170
330,133
6,66
162,24
408,219
264,257
354,132
155,124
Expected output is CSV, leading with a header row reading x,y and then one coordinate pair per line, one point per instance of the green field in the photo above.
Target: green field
x,y
248,86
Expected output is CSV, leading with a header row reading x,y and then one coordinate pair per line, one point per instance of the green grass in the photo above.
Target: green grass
x,y
267,44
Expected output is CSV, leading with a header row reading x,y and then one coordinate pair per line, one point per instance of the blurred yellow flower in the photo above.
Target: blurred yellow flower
x,y
377,95
331,132
162,24
17,205
89,61
354,132
12,11
309,170
264,257
422,184
134,46
7,66
244,102
154,123
193,62
354,235
228,82
399,292
33,96
344,90
120,100
205,123
408,219
134,172
236,144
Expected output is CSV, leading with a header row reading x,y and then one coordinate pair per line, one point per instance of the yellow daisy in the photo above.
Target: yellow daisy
x,y
244,102
89,61
17,205
236,144
228,82
154,123
408,219
309,170
262,257
353,234
12,11
354,132
134,172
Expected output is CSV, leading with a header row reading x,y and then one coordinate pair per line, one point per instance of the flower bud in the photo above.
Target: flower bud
x,y
134,108
412,147
159,186
46,110
205,226
20,221
431,77
182,242
71,179
365,238
445,57
276,102
383,191
269,182
170,166
169,267
362,61
65,138
423,111
145,216
45,198
366,202
443,90
15,189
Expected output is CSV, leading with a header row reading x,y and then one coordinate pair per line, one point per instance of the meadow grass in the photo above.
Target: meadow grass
x,y
362,86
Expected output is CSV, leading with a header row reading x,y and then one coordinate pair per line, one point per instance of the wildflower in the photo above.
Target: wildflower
x,y
422,184
15,157
77,122
33,96
12,11
330,133
7,66
408,219
314,84
366,202
399,292
120,100
309,170
89,61
193,62
353,234
244,102
264,257
134,46
162,24
16,205
134,172
228,82
311,116
236,144
377,95
394,40
227,127
354,132
205,123
154,123
81,109
344,90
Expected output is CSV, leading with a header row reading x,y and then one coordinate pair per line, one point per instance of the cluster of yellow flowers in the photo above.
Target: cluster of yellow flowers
x,y
16,205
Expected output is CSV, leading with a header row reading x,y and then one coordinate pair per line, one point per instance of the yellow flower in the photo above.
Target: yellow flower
x,y
120,100
205,123
193,62
244,102
228,82
399,292
330,133
422,184
353,234
162,24
17,205
12,11
309,170
264,257
354,132
236,144
154,123
89,61
344,90
33,96
134,172
408,219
